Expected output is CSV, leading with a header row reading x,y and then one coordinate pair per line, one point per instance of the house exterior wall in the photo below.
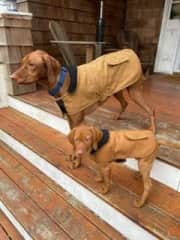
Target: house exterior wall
x,y
145,17
79,17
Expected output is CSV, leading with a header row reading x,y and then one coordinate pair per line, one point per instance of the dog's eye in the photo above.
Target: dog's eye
x,y
87,139
31,64
76,139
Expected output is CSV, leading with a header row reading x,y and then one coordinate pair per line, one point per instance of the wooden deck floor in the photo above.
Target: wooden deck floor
x,y
161,92
7,230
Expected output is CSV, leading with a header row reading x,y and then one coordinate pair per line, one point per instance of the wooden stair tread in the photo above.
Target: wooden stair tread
x,y
44,197
7,229
156,216
30,216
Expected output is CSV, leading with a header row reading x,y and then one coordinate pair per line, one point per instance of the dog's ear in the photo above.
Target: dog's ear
x,y
97,135
52,66
71,136
25,58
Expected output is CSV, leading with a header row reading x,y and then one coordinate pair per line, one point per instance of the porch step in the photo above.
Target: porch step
x,y
7,230
45,148
45,210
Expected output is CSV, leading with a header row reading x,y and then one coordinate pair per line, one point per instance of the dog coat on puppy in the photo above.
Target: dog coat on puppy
x,y
102,78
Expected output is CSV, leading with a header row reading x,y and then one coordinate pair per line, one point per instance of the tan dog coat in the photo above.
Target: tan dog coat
x,y
102,78
130,143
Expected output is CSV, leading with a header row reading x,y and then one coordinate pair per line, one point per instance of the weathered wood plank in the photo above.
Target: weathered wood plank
x,y
8,228
34,220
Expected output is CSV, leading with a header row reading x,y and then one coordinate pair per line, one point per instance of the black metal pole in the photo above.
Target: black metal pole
x,y
100,24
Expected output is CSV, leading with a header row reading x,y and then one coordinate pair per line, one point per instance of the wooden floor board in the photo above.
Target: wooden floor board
x,y
38,225
9,230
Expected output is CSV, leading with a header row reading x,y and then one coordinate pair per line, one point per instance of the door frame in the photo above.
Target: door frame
x,y
163,31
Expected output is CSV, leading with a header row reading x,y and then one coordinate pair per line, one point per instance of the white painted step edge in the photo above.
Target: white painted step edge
x,y
110,215
42,116
13,220
162,172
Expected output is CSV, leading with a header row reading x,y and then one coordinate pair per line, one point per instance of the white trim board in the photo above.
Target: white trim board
x,y
15,223
109,214
162,172
42,116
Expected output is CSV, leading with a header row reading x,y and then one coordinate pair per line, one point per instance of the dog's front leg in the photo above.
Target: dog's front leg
x,y
75,161
99,174
106,172
75,120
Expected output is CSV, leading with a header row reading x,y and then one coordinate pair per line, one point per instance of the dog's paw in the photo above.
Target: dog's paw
x,y
75,162
104,189
138,203
116,116
99,179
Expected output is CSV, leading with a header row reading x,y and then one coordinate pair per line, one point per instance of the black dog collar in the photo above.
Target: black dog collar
x,y
73,76
103,141
61,105
72,69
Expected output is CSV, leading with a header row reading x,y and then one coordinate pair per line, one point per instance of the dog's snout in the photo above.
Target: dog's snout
x,y
13,77
79,152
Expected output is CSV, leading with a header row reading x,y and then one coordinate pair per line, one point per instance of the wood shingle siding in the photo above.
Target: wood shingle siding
x,y
79,17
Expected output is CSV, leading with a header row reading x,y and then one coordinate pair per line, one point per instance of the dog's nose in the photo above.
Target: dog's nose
x,y
12,76
79,152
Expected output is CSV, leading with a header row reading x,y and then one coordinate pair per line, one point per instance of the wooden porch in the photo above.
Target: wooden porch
x,y
36,181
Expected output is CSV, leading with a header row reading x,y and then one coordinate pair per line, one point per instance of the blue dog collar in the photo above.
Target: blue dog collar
x,y
56,89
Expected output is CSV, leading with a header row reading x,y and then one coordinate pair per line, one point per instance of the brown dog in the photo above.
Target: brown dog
x,y
105,147
90,84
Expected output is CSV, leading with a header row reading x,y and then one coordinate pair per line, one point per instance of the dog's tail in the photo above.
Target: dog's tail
x,y
169,143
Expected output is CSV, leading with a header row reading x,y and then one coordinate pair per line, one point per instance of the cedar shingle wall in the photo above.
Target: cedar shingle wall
x,y
145,17
79,16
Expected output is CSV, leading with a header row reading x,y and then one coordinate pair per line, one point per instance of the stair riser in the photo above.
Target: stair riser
x,y
16,224
94,203
161,171
44,117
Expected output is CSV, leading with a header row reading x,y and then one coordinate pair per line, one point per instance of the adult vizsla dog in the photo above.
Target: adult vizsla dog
x,y
80,90
105,147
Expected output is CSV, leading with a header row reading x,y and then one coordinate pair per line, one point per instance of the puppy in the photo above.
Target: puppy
x,y
104,147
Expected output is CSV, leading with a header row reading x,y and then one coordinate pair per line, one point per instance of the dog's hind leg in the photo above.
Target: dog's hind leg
x,y
145,166
119,96
136,93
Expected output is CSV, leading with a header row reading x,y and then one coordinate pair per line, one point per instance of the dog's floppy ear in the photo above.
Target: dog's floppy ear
x,y
71,136
52,66
97,135
25,58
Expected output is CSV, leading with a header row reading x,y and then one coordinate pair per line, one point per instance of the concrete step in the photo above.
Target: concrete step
x,y
46,148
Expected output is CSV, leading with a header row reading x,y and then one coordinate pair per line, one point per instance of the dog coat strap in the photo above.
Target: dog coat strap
x,y
56,89
61,105
103,141
73,76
